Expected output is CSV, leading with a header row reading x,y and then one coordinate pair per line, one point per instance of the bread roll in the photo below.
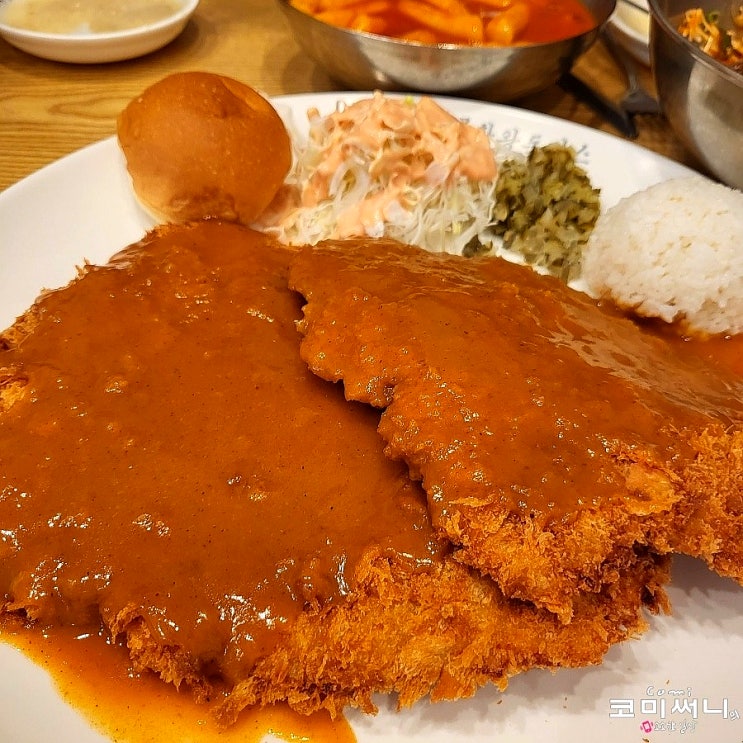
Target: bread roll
x,y
202,145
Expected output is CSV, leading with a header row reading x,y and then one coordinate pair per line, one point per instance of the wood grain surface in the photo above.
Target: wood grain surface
x,y
50,109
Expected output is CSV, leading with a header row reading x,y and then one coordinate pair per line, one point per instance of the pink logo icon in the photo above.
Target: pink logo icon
x,y
647,726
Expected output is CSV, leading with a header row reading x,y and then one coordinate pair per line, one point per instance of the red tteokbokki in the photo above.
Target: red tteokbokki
x,y
473,22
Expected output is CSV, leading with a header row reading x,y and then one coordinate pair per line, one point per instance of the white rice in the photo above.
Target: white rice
x,y
673,251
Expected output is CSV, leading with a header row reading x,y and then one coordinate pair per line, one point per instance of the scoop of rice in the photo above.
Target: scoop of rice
x,y
673,251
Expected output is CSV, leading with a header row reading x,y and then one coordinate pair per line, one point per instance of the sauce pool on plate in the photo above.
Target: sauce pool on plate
x,y
95,677
85,16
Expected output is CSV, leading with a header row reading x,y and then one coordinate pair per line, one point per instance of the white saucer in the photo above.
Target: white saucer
x,y
91,48
630,27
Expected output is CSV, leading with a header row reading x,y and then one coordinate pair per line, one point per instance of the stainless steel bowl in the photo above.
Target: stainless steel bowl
x,y
701,98
365,61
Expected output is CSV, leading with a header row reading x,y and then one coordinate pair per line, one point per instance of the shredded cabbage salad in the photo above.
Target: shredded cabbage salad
x,y
389,167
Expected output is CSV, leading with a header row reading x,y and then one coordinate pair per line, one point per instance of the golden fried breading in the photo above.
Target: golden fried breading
x,y
441,631
552,436
444,631
709,518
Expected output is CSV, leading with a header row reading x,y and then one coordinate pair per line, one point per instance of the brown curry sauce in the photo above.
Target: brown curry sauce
x,y
475,360
170,456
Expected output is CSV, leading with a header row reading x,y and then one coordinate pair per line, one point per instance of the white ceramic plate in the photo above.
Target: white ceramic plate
x,y
82,208
90,48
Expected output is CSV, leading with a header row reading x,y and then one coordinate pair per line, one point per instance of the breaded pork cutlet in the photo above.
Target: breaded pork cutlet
x,y
173,473
551,435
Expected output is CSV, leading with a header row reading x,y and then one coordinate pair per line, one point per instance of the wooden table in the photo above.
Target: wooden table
x,y
50,109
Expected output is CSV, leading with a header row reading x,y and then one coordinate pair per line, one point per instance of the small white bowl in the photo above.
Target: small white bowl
x,y
93,48
630,27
